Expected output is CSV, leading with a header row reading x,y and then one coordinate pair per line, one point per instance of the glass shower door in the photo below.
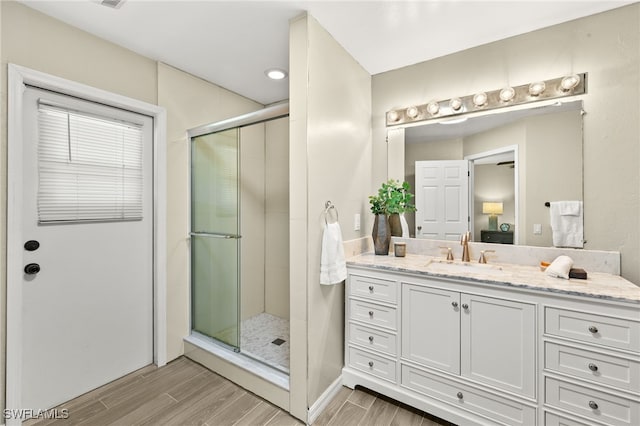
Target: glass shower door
x,y
215,236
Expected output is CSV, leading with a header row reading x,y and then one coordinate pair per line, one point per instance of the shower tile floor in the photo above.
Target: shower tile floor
x,y
257,334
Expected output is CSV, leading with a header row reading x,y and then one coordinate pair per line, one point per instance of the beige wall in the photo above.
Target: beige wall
x,y
554,171
276,272
606,46
331,148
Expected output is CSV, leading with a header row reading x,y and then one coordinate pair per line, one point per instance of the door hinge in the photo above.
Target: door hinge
x,y
468,173
469,219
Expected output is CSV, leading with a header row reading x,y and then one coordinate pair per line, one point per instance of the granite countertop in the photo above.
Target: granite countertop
x,y
598,285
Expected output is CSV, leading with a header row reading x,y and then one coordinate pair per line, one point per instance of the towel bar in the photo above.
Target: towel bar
x,y
327,211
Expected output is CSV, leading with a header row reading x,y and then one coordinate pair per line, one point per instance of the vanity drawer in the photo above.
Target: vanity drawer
x,y
606,369
372,338
593,404
499,409
594,329
373,364
373,288
551,419
372,314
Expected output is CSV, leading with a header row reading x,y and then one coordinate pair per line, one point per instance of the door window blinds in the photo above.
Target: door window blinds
x,y
89,167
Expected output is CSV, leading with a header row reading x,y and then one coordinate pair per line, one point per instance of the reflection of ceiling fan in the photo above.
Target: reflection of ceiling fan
x,y
511,163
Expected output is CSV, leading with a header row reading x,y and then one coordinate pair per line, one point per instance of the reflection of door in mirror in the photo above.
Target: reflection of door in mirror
x,y
442,199
494,179
549,158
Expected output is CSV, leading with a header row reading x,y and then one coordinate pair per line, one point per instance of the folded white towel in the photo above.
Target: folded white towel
x,y
333,267
566,218
568,208
560,267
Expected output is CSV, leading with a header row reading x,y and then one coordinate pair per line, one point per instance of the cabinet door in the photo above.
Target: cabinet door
x,y
498,343
431,327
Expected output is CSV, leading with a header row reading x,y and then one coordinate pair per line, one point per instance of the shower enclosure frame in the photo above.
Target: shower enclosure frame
x,y
273,112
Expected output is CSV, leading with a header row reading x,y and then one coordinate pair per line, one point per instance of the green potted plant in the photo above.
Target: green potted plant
x,y
389,205
399,202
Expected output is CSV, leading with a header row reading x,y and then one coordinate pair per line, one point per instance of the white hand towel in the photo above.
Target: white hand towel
x,y
566,218
333,267
560,267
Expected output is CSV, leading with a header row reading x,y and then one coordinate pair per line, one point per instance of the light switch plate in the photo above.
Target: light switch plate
x,y
537,229
356,222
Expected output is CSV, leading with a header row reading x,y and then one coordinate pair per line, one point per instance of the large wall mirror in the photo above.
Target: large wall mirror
x,y
520,158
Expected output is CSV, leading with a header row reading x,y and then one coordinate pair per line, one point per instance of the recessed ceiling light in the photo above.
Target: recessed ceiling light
x,y
276,74
114,4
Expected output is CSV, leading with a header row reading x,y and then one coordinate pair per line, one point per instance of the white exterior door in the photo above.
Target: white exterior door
x,y
87,315
442,199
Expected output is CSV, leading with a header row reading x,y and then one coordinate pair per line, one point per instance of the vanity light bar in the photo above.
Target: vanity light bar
x,y
536,91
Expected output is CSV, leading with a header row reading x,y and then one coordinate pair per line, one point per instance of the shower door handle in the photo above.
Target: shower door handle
x,y
215,235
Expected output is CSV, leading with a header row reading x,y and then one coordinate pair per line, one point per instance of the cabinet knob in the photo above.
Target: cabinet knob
x,y
459,395
371,314
371,339
454,304
593,367
371,288
593,329
371,364
593,405
465,306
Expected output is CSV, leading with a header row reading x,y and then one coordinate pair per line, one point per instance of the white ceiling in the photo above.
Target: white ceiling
x,y
232,43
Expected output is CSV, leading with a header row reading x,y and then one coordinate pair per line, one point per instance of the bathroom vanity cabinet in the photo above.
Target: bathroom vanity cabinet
x,y
477,353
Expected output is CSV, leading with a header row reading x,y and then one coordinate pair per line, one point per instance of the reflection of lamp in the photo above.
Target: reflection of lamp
x,y
492,209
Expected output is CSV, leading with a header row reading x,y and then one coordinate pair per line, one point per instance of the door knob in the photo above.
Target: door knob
x,y
31,245
32,269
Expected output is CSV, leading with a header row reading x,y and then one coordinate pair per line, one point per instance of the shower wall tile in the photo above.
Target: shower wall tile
x,y
252,223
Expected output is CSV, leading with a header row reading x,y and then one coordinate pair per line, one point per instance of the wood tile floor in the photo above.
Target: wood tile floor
x,y
186,393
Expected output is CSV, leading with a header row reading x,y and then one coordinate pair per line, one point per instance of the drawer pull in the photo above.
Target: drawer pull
x,y
454,304
371,339
465,306
459,395
371,288
593,367
371,314
593,329
593,405
371,364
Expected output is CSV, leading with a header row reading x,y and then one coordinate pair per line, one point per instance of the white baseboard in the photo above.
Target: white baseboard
x,y
321,403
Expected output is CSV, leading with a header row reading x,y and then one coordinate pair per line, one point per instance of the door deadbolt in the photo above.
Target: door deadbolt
x,y
32,269
31,245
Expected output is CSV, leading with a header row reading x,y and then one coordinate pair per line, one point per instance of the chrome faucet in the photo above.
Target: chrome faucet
x,y
464,241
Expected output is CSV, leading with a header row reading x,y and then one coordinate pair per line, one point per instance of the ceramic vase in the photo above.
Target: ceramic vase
x,y
381,234
395,225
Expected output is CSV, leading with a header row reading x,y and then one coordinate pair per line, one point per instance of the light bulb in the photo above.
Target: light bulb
x,y
569,82
455,104
276,74
433,108
392,116
536,88
507,94
412,112
480,99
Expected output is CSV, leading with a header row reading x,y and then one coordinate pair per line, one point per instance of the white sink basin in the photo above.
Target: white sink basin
x,y
464,268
